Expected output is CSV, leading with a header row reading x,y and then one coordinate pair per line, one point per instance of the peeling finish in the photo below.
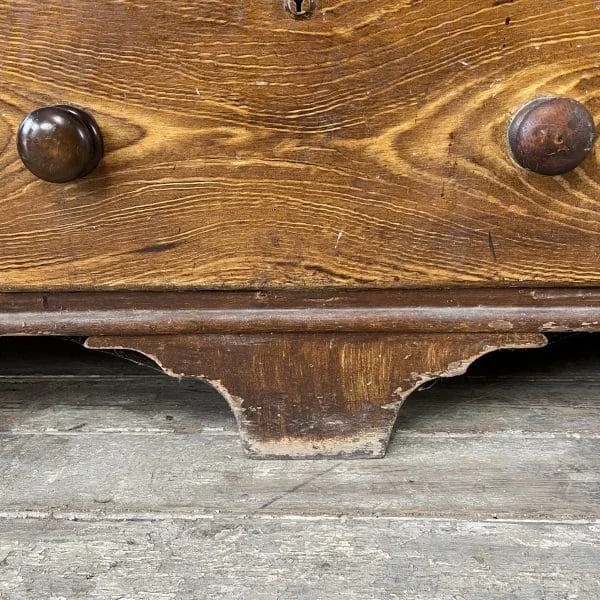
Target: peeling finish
x,y
235,402
316,395
366,445
584,327
458,368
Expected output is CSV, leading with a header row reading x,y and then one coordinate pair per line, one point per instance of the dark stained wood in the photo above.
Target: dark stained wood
x,y
417,320
466,311
316,395
527,298
364,146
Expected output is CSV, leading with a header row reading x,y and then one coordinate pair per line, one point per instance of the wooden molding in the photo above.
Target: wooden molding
x,y
408,311
309,373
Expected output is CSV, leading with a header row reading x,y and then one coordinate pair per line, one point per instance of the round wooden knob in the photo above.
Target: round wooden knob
x,y
551,135
59,143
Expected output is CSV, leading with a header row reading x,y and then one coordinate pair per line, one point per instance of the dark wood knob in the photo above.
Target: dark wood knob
x,y
59,143
551,135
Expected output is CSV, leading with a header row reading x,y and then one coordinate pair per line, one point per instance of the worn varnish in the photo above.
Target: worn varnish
x,y
317,395
364,146
525,310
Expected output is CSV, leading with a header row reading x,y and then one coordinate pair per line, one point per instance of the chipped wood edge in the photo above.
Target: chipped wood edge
x,y
460,367
348,447
235,403
370,442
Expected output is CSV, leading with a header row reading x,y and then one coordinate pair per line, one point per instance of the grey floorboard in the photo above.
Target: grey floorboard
x,y
120,483
290,559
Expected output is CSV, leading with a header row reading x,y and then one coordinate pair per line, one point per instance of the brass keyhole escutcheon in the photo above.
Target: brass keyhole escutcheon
x,y
300,9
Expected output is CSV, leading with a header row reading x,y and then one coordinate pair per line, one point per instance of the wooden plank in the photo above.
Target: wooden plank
x,y
523,444
95,405
287,559
112,405
365,146
509,475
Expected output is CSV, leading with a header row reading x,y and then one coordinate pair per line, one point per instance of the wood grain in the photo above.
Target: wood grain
x,y
364,146
340,558
513,474
316,395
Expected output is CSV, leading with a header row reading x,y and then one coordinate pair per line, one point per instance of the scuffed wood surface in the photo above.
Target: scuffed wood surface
x,y
320,395
296,558
362,147
119,482
443,474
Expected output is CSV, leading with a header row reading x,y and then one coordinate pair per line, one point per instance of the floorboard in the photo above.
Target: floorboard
x,y
118,482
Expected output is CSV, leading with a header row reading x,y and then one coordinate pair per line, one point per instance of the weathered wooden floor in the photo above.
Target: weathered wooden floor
x,y
120,483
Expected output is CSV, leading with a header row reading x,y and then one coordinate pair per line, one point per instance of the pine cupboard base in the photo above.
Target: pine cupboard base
x,y
364,186
317,375
317,395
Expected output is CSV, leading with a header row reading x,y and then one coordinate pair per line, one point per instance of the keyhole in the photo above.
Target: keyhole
x,y
300,8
